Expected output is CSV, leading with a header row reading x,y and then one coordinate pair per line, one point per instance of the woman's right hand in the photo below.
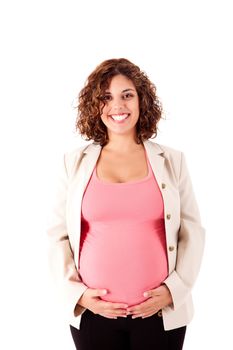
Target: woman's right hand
x,y
91,300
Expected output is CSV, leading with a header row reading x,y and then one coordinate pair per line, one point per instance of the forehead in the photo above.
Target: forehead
x,y
120,82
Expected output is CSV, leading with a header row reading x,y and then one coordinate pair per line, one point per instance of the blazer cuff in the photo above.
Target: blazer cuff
x,y
71,295
178,289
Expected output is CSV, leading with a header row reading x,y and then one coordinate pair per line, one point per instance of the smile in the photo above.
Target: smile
x,y
119,118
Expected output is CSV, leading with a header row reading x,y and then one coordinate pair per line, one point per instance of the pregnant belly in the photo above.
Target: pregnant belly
x,y
124,266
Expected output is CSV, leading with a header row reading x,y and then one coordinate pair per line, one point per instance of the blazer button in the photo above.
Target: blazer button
x,y
159,313
168,216
163,185
171,248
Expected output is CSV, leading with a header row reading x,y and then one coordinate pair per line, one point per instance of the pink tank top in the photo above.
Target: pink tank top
x,y
122,244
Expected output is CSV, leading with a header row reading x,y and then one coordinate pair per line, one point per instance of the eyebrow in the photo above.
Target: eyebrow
x,y
108,92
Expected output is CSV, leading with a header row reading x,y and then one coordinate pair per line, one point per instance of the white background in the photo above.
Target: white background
x,y
48,48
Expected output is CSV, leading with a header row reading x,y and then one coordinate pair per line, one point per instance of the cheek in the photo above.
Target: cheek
x,y
105,111
135,108
134,105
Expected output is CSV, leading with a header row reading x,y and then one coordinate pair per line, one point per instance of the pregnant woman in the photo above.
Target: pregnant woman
x,y
126,239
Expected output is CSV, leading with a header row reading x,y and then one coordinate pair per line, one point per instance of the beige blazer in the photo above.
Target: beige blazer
x,y
184,232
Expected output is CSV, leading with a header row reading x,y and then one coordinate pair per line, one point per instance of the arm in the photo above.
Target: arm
x,y
190,243
61,260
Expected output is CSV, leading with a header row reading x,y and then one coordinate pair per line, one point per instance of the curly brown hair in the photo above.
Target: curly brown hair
x,y
91,103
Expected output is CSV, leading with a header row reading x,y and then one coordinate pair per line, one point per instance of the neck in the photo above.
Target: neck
x,y
122,144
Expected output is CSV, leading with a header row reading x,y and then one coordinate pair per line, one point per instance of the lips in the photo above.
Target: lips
x,y
119,118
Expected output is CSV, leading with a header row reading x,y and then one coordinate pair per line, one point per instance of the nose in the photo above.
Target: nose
x,y
117,104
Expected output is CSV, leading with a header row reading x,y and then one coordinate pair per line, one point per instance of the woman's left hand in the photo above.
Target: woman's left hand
x,y
158,299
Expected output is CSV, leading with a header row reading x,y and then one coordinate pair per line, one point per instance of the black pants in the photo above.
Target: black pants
x,y
99,332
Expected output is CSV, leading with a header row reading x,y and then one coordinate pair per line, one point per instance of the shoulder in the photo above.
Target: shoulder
x,y
170,151
75,155
76,151
167,151
173,158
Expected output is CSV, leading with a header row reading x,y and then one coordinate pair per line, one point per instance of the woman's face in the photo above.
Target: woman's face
x,y
122,104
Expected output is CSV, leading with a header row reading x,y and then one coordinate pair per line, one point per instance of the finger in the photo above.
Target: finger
x,y
145,310
111,317
113,308
159,290
155,292
137,316
98,292
139,308
135,312
117,312
151,293
118,305
145,314
132,311
107,308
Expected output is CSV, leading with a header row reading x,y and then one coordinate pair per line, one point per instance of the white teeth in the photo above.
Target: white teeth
x,y
119,117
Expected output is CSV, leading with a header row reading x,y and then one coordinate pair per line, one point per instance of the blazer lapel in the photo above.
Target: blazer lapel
x,y
156,159
76,191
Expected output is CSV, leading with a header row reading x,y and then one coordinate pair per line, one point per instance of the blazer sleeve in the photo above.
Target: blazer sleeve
x,y
191,240
62,267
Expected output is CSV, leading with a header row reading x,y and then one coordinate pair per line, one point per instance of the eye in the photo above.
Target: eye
x,y
106,98
128,95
